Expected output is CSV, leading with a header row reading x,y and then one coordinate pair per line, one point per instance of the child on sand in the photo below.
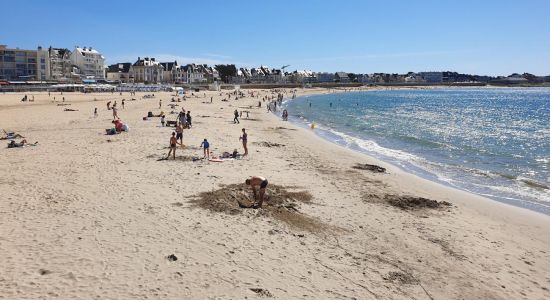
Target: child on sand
x,y
206,148
162,120
173,143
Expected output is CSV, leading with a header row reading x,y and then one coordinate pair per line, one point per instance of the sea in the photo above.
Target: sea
x,y
494,142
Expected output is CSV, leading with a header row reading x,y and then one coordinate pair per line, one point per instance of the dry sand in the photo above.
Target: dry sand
x,y
84,215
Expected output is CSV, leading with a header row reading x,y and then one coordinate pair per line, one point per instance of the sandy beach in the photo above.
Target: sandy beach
x,y
85,215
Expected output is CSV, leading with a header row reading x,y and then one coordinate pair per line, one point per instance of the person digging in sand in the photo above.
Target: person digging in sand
x,y
173,144
255,182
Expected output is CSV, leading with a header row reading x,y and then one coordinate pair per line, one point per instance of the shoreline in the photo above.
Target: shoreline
x,y
85,214
416,170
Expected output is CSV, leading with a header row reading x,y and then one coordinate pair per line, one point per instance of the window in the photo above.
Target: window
x,y
42,60
31,60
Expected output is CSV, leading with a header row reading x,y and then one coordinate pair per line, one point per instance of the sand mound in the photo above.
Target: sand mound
x,y
268,144
367,167
281,204
412,203
400,277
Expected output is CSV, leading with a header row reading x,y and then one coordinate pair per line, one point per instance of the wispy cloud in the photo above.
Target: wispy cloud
x,y
220,56
388,55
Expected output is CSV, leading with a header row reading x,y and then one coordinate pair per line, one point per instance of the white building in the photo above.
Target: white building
x,y
147,70
91,64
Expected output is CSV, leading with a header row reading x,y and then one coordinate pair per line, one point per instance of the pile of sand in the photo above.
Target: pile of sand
x,y
413,203
281,204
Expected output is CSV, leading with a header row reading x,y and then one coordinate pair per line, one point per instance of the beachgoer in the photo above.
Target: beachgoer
x,y
254,182
160,103
122,103
179,132
162,120
236,118
189,119
211,98
173,144
206,148
95,112
115,113
244,138
14,144
109,105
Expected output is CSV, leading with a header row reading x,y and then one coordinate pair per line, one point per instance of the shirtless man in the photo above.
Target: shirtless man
x,y
173,143
244,138
254,182
179,133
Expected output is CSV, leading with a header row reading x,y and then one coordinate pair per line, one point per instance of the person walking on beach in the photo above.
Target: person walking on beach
x,y
108,105
244,138
206,148
179,133
160,103
95,112
236,117
115,113
173,144
122,103
162,120
255,182
189,119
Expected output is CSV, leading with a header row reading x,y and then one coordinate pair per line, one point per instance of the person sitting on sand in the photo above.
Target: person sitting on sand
x,y
254,182
10,135
206,148
173,143
14,144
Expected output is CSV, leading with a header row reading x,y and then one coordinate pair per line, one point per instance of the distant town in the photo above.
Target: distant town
x,y
86,65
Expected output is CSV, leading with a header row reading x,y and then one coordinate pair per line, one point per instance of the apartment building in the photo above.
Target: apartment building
x,y
147,70
90,63
23,65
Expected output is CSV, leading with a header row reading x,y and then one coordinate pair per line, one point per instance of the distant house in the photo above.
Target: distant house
x,y
341,77
432,77
195,74
147,70
173,73
90,63
60,64
324,77
512,79
120,72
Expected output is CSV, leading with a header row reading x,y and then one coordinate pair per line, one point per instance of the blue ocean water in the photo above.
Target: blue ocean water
x,y
491,141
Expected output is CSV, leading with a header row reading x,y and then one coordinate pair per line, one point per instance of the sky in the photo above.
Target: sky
x,y
484,37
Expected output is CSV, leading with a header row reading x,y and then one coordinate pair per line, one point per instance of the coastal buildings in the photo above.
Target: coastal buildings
x,y
89,62
61,66
24,65
341,77
120,72
432,77
194,74
147,70
173,73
